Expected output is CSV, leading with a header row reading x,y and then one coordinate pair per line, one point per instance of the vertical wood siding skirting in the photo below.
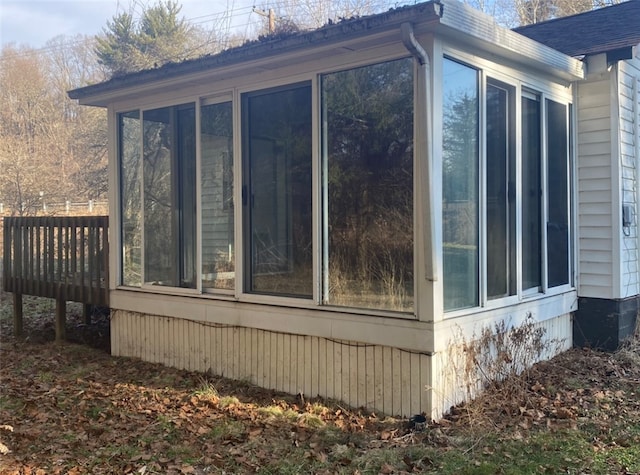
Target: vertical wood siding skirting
x,y
379,378
383,379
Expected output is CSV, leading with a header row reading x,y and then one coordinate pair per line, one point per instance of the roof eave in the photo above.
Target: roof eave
x,y
97,94
511,45
446,17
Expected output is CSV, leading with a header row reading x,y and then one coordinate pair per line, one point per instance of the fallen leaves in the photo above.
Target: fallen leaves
x,y
73,410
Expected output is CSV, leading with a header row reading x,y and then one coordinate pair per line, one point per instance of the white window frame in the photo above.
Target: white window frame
x,y
522,84
235,96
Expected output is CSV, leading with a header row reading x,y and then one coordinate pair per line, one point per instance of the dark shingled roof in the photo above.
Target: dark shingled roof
x,y
598,31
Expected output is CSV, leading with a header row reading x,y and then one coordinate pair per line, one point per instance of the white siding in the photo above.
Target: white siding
x,y
629,99
379,378
595,234
456,376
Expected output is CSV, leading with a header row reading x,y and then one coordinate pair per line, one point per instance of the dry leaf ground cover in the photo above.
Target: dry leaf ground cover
x,y
73,409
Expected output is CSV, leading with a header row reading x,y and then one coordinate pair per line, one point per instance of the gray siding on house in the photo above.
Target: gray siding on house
x,y
629,94
595,249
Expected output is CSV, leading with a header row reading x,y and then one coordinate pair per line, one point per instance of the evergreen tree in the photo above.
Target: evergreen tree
x,y
160,36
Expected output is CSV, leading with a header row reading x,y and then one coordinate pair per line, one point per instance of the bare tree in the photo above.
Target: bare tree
x,y
49,146
27,129
72,64
512,13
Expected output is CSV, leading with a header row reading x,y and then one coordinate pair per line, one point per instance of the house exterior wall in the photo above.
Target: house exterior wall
x,y
608,177
607,105
397,363
629,106
595,187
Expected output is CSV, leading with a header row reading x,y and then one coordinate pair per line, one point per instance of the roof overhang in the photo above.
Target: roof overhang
x,y
620,54
447,18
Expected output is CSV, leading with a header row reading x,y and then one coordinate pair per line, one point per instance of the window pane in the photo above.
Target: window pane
x,y
500,181
169,196
129,150
216,140
531,195
558,192
278,209
460,185
368,153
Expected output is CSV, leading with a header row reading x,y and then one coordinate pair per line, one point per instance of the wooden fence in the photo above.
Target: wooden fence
x,y
65,258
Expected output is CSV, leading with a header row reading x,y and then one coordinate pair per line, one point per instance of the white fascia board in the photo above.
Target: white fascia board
x,y
468,25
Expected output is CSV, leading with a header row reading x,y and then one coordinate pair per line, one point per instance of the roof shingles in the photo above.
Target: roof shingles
x,y
593,32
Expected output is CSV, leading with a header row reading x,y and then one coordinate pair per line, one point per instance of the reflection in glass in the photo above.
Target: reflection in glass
x,y
216,141
531,195
460,185
277,191
368,180
169,196
558,192
500,193
129,161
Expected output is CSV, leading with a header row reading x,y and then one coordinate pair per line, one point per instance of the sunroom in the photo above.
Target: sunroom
x,y
335,212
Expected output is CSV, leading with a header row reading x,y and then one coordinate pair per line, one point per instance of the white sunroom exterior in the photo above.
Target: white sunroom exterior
x,y
335,213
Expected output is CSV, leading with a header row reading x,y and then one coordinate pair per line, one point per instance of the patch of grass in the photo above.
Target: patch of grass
x,y
227,430
94,412
317,409
207,391
181,452
274,411
227,401
296,462
45,376
310,420
10,404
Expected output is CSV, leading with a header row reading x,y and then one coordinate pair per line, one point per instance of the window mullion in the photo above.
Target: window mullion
x,y
482,192
198,196
544,155
518,191
143,277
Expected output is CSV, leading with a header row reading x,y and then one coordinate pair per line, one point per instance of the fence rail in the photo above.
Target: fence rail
x,y
65,258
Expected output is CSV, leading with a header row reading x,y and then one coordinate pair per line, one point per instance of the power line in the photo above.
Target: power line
x,y
227,16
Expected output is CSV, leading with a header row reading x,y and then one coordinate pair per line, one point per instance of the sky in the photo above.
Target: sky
x,y
34,22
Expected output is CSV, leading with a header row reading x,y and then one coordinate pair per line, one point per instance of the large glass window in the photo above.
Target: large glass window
x,y
216,142
531,193
277,191
460,185
495,245
130,203
500,192
169,196
558,194
368,183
